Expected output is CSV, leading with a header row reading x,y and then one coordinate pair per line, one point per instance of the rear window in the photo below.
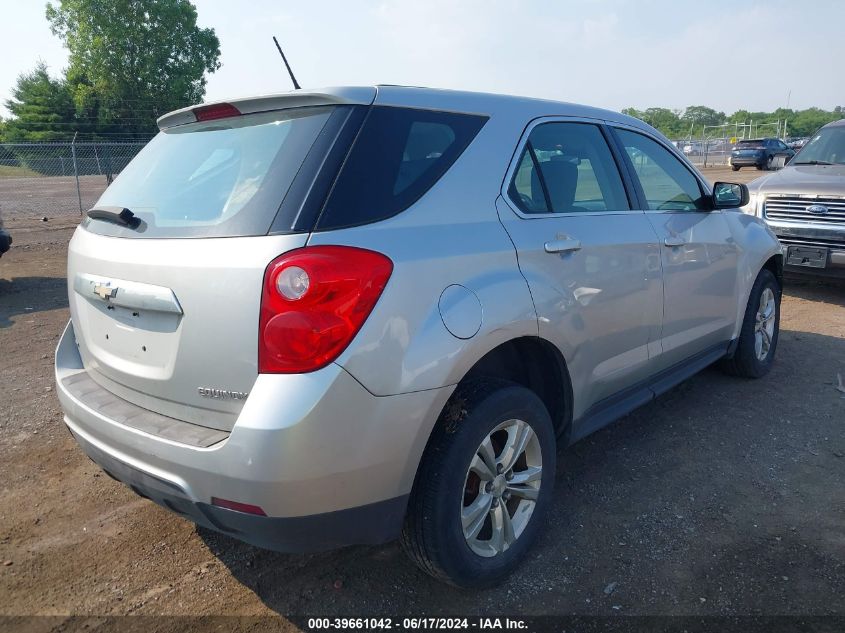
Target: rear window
x,y
217,178
400,153
750,145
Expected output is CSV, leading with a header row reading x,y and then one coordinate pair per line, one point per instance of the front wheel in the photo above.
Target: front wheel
x,y
483,486
735,167
758,339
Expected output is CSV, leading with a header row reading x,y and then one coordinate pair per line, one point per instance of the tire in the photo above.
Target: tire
x,y
760,166
735,167
746,360
445,489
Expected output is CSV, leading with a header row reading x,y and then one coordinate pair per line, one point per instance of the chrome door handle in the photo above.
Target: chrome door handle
x,y
562,246
674,241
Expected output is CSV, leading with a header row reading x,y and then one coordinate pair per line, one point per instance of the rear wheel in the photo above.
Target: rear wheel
x,y
483,485
735,167
758,337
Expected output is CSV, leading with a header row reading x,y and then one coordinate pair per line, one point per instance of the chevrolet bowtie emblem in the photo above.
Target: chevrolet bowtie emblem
x,y
104,291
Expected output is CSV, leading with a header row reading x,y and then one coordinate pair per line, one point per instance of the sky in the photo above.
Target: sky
x,y
726,54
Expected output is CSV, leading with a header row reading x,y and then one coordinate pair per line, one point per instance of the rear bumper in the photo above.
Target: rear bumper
x,y
371,524
329,463
747,161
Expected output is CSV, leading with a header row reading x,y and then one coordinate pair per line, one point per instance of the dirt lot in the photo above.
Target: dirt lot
x,y
723,497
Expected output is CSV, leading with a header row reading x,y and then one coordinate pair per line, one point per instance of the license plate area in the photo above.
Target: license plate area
x,y
809,256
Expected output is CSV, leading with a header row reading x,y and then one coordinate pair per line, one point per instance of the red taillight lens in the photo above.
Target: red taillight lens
x,y
215,111
314,301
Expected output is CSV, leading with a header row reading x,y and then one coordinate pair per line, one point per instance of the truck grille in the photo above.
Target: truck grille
x,y
795,208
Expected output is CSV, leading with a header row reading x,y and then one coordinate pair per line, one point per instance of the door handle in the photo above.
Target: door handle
x,y
674,241
562,246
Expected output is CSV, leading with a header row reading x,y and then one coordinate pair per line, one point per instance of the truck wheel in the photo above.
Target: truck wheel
x,y
483,486
758,338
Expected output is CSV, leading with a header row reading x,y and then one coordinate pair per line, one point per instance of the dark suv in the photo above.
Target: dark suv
x,y
762,153
5,238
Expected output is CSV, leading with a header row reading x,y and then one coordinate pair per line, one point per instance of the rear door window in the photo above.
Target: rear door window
x,y
567,168
217,178
400,153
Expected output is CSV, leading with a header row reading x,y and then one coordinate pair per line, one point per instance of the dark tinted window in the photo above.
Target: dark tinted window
x,y
666,182
399,154
568,168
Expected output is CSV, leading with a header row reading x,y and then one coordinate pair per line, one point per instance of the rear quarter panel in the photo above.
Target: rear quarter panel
x,y
452,235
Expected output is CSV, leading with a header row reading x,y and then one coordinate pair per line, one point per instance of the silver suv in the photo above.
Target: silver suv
x,y
346,316
804,203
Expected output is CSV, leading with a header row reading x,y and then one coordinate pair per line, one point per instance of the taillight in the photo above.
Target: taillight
x,y
215,111
314,301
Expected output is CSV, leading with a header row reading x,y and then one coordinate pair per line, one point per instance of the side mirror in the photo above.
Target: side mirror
x,y
729,195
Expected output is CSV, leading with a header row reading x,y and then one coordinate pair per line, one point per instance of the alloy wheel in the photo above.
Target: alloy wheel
x,y
764,324
501,488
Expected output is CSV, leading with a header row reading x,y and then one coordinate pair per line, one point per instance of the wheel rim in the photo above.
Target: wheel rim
x,y
501,488
764,324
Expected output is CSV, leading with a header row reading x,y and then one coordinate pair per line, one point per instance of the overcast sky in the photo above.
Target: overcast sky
x,y
727,54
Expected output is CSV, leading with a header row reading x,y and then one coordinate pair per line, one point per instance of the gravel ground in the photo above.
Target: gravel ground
x,y
724,496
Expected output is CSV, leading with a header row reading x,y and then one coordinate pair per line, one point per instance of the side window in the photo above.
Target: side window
x,y
667,183
400,154
567,168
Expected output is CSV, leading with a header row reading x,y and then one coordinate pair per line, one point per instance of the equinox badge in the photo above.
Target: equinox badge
x,y
221,394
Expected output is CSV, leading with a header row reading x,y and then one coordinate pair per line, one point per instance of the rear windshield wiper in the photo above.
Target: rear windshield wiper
x,y
118,215
812,162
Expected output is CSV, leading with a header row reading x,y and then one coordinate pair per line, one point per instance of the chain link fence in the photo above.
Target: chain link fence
x,y
58,178
706,152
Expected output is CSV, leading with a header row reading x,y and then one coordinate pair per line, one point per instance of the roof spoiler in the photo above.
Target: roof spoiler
x,y
264,103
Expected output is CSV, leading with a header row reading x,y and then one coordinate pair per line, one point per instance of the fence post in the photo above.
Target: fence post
x,y
76,171
96,156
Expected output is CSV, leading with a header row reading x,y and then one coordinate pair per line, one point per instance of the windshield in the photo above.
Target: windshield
x,y
216,178
828,146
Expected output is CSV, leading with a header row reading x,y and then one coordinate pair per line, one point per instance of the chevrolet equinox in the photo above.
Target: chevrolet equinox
x,y
351,315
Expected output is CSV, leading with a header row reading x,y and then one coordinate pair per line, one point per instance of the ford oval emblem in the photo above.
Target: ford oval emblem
x,y
818,209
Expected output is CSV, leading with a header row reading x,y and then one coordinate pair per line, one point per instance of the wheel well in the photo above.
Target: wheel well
x,y
775,265
536,364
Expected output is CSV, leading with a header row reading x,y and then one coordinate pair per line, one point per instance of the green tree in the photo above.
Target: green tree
x,y
41,107
133,60
805,122
698,116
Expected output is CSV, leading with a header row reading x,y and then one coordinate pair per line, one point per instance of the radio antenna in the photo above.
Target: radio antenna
x,y
284,59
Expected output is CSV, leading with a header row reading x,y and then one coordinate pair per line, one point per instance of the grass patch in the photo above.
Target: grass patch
x,y
12,171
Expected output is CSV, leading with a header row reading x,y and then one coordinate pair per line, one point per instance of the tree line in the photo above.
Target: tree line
x,y
690,122
130,61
